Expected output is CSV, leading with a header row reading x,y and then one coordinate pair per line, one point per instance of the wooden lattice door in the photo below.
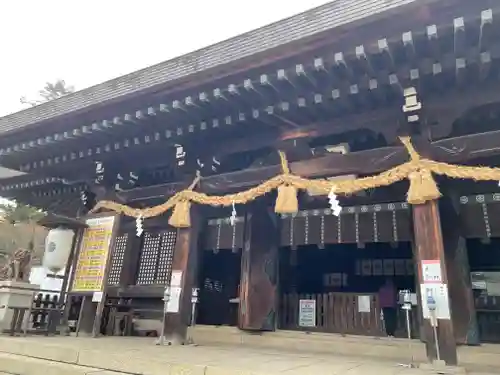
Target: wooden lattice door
x,y
118,259
155,262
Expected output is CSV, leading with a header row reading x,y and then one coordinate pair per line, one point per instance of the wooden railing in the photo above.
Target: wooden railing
x,y
339,313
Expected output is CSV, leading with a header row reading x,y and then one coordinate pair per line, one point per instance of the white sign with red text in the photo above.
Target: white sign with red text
x,y
431,272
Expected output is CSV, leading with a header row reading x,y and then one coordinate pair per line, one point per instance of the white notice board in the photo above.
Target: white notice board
x,y
440,294
431,271
307,313
173,304
364,304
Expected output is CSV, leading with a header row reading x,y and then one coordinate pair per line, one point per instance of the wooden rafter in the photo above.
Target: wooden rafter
x,y
452,150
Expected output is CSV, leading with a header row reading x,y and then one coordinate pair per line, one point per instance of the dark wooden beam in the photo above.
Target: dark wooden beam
x,y
296,149
363,162
486,35
381,121
433,40
151,192
56,221
459,36
466,148
460,70
452,150
409,45
485,62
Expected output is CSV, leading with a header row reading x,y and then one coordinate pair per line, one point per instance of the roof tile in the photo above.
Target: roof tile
x,y
317,20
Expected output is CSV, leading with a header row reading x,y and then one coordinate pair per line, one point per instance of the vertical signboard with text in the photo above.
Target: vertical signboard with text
x,y
307,313
93,255
434,289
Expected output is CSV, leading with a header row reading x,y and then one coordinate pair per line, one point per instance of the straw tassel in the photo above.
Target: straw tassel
x,y
181,217
423,188
286,201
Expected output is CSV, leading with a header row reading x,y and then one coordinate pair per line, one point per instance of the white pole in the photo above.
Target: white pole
x,y
166,298
436,340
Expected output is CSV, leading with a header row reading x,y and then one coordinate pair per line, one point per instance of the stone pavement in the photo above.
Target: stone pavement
x,y
474,358
123,355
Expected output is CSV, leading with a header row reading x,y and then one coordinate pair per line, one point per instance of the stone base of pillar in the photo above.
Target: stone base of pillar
x,y
14,294
440,367
174,340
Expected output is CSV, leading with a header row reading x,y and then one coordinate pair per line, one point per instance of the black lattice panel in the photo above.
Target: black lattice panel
x,y
117,259
166,256
149,259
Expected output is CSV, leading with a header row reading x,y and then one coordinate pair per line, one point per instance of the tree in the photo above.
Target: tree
x,y
19,230
50,92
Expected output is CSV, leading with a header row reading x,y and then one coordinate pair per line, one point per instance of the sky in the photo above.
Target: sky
x,y
89,42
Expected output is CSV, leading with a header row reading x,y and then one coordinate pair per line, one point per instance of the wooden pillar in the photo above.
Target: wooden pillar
x,y
96,329
429,246
183,277
259,270
132,258
463,310
69,272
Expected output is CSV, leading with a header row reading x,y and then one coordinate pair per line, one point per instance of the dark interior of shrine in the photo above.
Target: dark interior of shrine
x,y
484,256
219,281
348,268
337,277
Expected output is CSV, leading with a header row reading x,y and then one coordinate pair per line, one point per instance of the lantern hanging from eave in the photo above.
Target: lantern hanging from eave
x,y
57,249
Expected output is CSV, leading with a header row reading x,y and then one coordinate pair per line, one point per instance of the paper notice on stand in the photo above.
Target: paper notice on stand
x,y
175,299
307,313
97,297
440,294
364,304
176,278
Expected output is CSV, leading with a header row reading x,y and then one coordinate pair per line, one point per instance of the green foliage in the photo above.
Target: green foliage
x,y
50,92
21,213
55,90
19,228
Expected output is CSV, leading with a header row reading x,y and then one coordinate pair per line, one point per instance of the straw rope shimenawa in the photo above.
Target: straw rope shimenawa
x,y
419,171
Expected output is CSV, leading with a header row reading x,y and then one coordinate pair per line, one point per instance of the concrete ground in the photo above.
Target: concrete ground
x,y
227,350
68,355
485,358
117,355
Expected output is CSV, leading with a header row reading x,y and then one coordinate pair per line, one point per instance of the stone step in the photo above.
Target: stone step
x,y
22,365
389,349
486,357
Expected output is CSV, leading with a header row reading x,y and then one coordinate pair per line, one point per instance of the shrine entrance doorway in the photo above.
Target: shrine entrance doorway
x,y
341,262
219,273
344,280
479,246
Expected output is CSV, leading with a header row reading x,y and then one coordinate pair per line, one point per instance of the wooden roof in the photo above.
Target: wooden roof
x,y
55,221
294,29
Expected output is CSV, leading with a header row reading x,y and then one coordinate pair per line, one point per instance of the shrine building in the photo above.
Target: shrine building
x,y
329,101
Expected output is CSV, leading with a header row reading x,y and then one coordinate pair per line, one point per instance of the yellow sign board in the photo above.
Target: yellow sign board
x,y
93,255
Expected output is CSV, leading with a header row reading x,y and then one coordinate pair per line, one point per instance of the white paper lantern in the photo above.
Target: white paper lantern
x,y
57,249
